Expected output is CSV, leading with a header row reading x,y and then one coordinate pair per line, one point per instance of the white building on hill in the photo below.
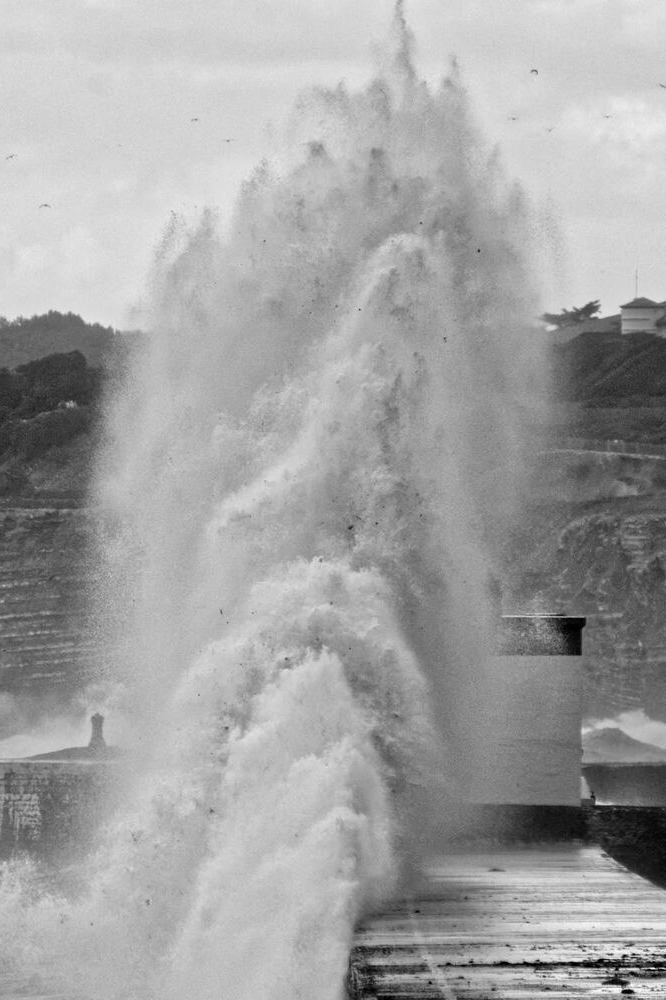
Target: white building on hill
x,y
644,316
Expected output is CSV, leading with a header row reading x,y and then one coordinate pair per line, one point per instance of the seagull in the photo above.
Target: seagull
x,y
194,119
550,129
12,156
45,204
608,116
663,85
228,140
512,119
535,72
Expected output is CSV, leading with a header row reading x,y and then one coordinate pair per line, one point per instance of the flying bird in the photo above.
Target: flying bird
x,y
45,204
535,72
608,116
194,119
663,85
552,127
512,119
12,156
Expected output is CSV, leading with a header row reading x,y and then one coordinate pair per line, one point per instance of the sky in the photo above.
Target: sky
x,y
116,114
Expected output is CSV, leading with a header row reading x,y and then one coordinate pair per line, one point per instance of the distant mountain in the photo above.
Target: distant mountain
x,y
27,339
612,746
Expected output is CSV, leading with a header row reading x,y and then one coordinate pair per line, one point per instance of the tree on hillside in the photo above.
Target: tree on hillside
x,y
570,317
54,321
46,403
53,380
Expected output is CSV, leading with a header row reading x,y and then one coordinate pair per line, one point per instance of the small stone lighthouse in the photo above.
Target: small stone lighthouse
x,y
97,742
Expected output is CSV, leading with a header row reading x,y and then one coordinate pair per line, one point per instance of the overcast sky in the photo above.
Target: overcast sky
x,y
98,98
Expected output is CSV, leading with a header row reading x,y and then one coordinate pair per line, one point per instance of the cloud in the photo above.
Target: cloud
x,y
626,126
98,97
634,723
205,30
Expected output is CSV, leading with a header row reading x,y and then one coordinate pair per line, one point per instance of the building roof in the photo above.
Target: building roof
x,y
641,303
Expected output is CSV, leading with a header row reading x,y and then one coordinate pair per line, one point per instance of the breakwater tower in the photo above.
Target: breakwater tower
x,y
527,779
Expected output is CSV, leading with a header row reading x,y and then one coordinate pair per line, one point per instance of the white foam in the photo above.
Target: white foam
x,y
297,530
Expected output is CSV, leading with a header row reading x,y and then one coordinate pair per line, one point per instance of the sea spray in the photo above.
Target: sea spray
x,y
305,475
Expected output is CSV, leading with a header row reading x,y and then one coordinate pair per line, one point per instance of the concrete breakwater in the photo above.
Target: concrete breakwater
x,y
50,807
50,804
633,835
515,922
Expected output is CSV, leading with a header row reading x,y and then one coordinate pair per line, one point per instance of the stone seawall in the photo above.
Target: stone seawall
x,y
50,807
633,835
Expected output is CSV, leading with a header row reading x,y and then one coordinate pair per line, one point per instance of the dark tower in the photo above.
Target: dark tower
x,y
97,738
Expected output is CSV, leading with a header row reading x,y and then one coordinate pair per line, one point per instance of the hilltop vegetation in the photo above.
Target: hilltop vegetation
x,y
569,317
52,368
52,371
45,405
45,384
602,369
609,385
25,339
51,374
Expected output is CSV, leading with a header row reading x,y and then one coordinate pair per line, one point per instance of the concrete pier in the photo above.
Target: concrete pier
x,y
516,924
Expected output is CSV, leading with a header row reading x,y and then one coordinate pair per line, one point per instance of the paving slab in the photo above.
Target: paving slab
x,y
515,924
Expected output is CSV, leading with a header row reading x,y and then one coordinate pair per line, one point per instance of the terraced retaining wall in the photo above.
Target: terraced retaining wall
x,y
44,578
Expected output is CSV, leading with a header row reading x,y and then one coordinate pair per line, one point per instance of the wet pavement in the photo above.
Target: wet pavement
x,y
515,924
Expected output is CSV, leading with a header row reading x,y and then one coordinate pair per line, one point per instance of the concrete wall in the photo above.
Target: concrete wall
x,y
642,320
633,835
530,730
50,807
